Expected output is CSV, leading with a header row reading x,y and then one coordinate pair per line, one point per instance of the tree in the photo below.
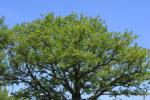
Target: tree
x,y
4,95
73,56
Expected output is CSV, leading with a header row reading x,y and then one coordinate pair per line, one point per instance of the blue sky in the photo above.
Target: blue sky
x,y
119,15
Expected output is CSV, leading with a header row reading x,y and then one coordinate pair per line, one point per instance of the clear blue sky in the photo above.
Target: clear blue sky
x,y
119,15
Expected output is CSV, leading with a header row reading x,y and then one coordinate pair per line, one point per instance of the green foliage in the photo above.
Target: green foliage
x,y
59,57
4,95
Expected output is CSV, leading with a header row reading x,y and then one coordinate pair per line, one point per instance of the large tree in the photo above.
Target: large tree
x,y
73,57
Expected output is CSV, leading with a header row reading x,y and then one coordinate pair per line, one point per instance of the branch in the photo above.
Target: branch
x,y
98,65
113,84
66,83
37,81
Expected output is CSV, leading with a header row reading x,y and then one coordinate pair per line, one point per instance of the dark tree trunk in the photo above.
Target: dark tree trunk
x,y
76,96
93,98
77,85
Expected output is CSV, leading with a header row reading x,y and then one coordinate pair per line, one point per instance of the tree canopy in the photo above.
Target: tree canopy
x,y
4,95
71,57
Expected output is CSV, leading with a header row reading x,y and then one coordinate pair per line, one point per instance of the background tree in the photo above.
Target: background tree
x,y
4,95
68,57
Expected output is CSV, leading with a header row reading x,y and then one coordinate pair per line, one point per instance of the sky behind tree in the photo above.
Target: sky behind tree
x,y
119,15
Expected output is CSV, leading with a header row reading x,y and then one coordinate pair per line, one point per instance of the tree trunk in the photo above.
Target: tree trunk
x,y
76,96
93,98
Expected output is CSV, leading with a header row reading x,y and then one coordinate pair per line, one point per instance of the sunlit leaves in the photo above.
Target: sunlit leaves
x,y
58,55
